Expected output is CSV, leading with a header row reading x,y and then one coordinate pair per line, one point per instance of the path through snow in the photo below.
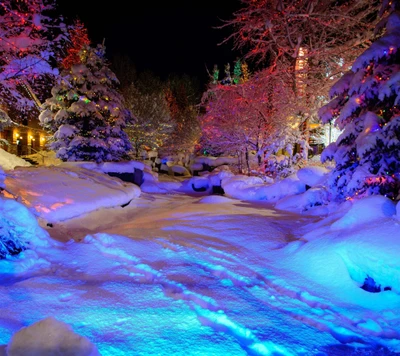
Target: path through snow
x,y
180,276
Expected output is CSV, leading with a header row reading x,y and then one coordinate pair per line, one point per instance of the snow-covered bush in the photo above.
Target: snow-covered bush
x,y
281,166
19,229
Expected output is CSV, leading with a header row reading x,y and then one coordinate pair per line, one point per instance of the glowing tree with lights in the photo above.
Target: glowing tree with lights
x,y
307,43
86,112
244,118
245,72
365,105
79,39
31,42
237,71
148,103
215,74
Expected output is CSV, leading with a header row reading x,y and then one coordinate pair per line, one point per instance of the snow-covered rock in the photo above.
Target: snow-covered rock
x,y
200,183
49,337
313,197
180,170
312,175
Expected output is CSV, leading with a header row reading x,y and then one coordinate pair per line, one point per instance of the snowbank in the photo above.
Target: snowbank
x,y
366,211
82,190
10,161
254,188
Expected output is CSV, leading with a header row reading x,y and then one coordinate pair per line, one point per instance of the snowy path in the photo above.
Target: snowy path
x,y
182,277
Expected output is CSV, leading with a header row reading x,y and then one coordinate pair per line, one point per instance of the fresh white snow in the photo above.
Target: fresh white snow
x,y
180,272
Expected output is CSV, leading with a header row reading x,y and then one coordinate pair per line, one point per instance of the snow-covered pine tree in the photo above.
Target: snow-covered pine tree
x,y
237,71
86,112
366,106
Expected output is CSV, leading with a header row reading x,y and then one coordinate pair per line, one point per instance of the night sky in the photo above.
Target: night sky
x,y
171,37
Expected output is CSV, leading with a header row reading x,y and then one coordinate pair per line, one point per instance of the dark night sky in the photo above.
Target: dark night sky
x,y
171,37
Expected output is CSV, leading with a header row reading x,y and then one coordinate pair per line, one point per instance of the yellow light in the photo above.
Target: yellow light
x,y
17,134
314,126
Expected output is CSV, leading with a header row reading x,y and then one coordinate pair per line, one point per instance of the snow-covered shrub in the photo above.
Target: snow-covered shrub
x,y
311,198
19,229
281,166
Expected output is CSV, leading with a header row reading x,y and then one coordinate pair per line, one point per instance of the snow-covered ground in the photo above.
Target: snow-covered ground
x,y
265,269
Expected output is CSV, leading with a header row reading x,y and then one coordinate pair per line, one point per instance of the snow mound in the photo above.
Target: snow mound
x,y
312,175
199,184
83,190
10,161
313,197
180,170
365,211
49,337
105,167
254,188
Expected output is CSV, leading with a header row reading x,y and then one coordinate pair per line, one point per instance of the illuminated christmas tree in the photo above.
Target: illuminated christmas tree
x,y
79,39
365,106
237,72
86,112
245,73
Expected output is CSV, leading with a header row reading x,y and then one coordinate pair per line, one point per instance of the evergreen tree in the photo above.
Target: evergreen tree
x,y
245,73
215,74
366,106
237,71
86,112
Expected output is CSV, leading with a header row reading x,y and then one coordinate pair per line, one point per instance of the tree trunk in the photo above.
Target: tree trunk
x,y
247,161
